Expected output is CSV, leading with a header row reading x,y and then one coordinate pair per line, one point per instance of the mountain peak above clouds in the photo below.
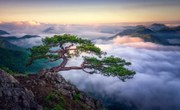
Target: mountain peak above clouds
x,y
155,33
2,32
48,30
157,26
11,38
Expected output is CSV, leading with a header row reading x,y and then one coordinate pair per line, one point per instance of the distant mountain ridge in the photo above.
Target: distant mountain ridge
x,y
157,27
7,45
138,29
2,32
20,38
12,56
50,29
156,33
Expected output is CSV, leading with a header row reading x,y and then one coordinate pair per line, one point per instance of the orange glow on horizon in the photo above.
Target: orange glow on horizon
x,y
89,14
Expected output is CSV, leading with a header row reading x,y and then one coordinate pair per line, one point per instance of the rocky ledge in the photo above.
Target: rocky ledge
x,y
42,91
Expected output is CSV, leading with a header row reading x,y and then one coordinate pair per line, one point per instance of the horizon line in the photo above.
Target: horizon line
x,y
131,22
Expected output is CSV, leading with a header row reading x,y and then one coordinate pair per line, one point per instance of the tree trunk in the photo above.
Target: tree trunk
x,y
63,64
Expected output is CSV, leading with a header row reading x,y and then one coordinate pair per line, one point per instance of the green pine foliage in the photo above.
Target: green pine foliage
x,y
108,66
66,38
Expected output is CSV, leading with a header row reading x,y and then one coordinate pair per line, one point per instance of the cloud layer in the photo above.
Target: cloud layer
x,y
42,29
154,87
126,39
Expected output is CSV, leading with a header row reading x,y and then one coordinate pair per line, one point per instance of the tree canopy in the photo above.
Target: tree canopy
x,y
70,46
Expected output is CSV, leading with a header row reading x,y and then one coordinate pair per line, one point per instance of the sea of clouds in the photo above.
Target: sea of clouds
x,y
155,86
19,29
32,27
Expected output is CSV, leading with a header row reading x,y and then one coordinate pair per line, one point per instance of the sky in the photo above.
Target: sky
x,y
89,11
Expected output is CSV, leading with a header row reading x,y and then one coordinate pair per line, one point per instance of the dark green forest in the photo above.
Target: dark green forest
x,y
13,59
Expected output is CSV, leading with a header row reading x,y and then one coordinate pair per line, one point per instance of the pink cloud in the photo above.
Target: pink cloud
x,y
126,39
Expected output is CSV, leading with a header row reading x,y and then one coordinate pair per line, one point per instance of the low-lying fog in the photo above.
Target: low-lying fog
x,y
154,87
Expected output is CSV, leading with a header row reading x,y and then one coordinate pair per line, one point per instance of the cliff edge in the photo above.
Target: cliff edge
x,y
42,91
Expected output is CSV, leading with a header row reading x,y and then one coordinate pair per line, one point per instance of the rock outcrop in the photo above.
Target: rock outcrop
x,y
13,96
45,90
